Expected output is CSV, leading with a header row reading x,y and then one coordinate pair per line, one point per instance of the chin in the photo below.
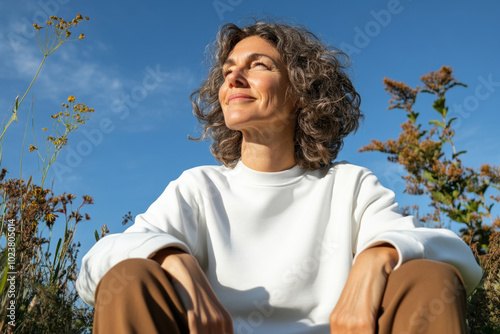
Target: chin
x,y
235,127
234,122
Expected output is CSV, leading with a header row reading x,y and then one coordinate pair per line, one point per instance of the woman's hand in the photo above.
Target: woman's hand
x,y
358,305
206,315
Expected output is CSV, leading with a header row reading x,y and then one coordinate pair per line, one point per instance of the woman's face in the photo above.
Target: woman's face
x,y
253,95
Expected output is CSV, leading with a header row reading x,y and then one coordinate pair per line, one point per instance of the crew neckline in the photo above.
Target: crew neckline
x,y
247,175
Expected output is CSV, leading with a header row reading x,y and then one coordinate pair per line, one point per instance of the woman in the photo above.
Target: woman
x,y
278,239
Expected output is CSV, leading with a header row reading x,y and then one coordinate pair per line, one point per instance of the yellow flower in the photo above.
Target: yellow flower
x,y
54,116
49,23
53,17
32,148
82,36
88,199
37,27
44,129
71,99
50,217
79,17
68,33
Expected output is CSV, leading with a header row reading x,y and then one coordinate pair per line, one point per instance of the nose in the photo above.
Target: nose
x,y
236,78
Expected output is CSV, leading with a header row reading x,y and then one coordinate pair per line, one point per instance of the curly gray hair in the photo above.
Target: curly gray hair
x,y
329,103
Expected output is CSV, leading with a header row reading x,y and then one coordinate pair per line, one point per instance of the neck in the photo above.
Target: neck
x,y
274,156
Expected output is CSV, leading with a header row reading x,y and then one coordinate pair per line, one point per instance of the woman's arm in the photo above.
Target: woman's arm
x,y
205,312
377,220
358,305
382,240
173,220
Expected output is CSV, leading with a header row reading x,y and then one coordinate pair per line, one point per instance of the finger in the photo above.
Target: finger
x,y
193,323
226,320
228,324
221,323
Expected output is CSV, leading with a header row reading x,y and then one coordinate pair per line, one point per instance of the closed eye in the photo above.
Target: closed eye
x,y
254,64
260,64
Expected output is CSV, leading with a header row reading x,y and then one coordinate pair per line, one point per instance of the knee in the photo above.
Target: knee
x,y
433,277
424,296
125,276
430,270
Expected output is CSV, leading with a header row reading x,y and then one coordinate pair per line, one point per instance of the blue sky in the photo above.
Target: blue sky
x,y
141,60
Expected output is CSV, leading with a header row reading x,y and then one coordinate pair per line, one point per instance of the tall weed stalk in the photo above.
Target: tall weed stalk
x,y
37,273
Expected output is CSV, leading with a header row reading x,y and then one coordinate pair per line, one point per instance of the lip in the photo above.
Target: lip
x,y
239,97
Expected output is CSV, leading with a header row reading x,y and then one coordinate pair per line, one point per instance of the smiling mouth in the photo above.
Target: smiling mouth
x,y
239,98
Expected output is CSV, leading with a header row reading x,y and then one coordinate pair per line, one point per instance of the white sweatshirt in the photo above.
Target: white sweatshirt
x,y
276,247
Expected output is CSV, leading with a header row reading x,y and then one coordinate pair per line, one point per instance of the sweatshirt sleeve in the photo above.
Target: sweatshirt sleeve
x,y
378,221
173,220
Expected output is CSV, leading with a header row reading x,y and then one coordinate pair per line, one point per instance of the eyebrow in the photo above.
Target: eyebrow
x,y
252,56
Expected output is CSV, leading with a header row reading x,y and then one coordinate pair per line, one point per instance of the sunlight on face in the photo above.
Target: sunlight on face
x,y
253,96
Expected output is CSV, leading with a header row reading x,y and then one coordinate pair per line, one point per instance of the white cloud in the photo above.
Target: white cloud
x,y
72,70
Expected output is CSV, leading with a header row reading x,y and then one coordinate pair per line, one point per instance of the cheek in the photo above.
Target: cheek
x,y
267,89
274,87
276,95
222,95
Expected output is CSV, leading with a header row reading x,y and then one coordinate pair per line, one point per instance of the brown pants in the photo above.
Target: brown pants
x,y
422,296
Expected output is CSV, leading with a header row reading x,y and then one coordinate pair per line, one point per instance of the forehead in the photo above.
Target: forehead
x,y
253,45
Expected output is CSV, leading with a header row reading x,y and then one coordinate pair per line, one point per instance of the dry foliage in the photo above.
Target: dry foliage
x,y
38,255
45,275
457,193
